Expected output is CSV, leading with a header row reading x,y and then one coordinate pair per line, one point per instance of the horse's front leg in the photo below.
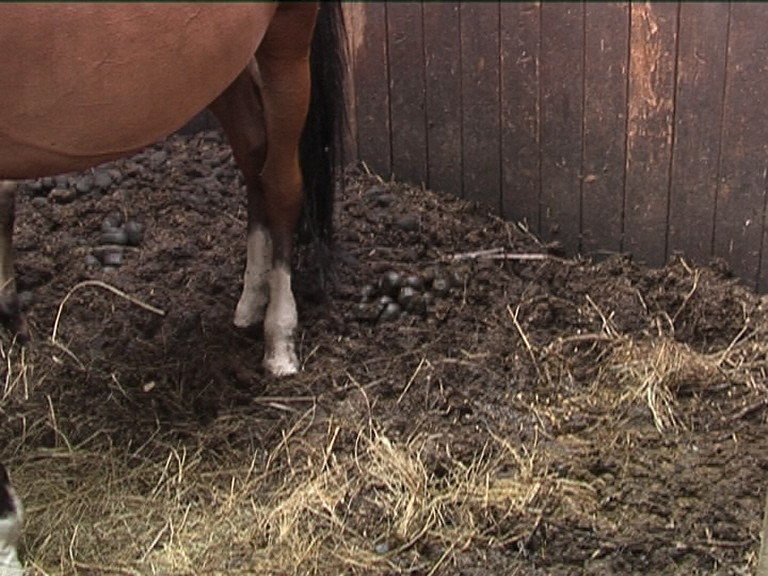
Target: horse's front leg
x,y
10,313
283,59
240,112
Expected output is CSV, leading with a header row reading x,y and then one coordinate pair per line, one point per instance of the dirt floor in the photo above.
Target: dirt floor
x,y
526,414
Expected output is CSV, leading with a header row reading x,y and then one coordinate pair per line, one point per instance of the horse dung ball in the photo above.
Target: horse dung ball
x,y
368,293
112,258
407,298
440,286
134,232
390,312
116,236
390,283
414,281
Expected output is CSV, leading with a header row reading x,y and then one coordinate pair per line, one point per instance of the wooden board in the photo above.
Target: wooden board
x,y
562,98
606,60
354,20
406,91
653,37
698,120
521,170
739,221
480,103
443,95
372,90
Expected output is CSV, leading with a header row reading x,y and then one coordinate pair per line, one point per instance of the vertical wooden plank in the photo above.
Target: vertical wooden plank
x,y
698,116
606,59
741,192
406,91
372,90
443,95
354,22
562,59
519,45
653,38
480,103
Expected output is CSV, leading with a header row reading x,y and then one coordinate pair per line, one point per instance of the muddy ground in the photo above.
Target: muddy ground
x,y
554,416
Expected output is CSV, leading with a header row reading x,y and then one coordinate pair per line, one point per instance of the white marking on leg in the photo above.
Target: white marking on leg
x,y
253,300
10,533
280,324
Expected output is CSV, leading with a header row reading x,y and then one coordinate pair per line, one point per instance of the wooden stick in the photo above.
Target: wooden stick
x,y
496,254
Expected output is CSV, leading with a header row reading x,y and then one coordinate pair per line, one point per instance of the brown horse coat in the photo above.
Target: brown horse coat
x,y
68,76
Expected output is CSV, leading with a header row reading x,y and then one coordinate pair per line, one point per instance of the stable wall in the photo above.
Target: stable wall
x,y
610,127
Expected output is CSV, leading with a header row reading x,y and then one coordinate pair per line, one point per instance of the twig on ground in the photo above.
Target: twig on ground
x,y
410,380
55,423
608,327
527,343
696,276
105,286
496,254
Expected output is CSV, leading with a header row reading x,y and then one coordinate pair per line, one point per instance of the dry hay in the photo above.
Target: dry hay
x,y
171,506
655,372
653,369
92,511
658,371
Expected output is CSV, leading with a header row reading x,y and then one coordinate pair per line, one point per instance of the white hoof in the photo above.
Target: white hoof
x,y
283,363
280,325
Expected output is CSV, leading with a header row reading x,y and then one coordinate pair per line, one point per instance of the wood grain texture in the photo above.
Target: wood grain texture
x,y
562,58
698,118
406,91
739,221
481,131
520,165
606,61
443,95
354,21
653,38
372,90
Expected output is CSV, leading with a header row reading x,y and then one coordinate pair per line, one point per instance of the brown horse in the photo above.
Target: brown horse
x,y
81,84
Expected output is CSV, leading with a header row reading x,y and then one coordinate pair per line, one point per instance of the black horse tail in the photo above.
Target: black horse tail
x,y
321,150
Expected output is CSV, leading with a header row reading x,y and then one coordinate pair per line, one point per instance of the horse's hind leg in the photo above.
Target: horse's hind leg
x,y
10,313
283,59
241,115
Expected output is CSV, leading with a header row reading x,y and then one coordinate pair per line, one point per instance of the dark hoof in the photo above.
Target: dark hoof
x,y
7,505
13,319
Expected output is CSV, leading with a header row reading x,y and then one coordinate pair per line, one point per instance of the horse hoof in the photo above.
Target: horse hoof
x,y
241,321
281,365
14,321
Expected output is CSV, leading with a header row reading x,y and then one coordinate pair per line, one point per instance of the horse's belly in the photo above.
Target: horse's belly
x,y
84,83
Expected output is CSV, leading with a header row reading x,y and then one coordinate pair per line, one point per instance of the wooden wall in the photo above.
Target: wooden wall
x,y
637,127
